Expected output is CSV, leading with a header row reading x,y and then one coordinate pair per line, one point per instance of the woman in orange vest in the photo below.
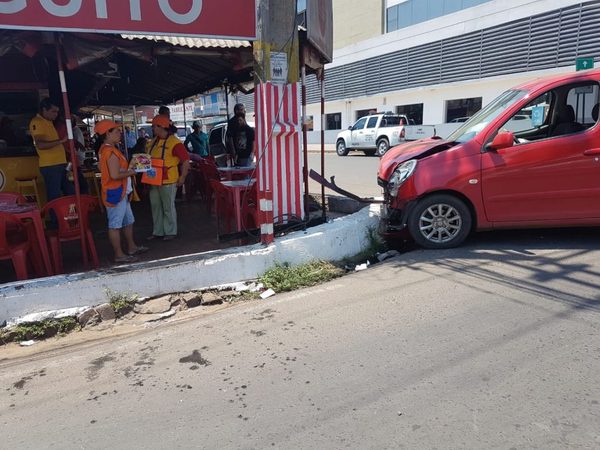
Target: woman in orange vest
x,y
167,153
116,191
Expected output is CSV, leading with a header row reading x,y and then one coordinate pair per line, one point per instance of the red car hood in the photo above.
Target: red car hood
x,y
410,150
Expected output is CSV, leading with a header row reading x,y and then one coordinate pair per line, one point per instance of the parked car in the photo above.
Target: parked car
x,y
485,176
373,134
216,142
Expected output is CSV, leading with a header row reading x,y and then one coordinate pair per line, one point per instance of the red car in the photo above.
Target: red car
x,y
531,158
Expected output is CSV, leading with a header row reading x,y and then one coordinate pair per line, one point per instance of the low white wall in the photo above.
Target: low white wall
x,y
343,237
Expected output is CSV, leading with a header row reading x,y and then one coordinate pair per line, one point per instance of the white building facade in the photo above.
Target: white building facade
x,y
442,60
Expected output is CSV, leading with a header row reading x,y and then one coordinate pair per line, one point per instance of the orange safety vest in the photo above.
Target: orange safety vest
x,y
163,160
113,191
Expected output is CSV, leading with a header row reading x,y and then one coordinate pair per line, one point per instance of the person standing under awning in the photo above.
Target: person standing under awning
x,y
49,146
167,153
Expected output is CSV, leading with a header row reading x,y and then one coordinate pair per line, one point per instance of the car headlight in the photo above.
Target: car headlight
x,y
400,175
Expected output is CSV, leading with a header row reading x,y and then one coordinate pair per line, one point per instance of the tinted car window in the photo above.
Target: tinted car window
x,y
372,123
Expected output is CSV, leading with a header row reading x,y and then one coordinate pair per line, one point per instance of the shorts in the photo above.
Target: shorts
x,y
121,215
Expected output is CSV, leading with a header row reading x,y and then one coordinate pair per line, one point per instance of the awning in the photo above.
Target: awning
x,y
114,70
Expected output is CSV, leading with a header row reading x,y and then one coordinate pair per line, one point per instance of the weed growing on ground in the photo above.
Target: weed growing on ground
x,y
121,303
39,330
283,277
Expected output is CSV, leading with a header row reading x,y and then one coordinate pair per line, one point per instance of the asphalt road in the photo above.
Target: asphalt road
x,y
356,173
494,345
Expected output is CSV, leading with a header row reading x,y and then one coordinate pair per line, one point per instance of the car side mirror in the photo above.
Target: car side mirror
x,y
504,139
350,127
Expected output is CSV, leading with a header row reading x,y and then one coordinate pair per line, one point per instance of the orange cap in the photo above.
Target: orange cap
x,y
161,121
104,125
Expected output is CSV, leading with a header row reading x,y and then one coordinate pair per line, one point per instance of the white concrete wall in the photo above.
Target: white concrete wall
x,y
344,237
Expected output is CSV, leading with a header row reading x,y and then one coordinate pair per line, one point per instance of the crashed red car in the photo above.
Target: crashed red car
x,y
531,158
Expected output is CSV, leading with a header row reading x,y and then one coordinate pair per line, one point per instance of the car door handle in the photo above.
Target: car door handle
x,y
592,152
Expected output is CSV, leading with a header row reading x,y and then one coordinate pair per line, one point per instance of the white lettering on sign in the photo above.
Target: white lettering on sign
x,y
13,6
134,9
74,6
181,19
68,10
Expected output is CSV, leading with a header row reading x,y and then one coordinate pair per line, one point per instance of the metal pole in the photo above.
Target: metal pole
x,y
305,143
323,214
135,125
74,160
226,100
184,118
124,134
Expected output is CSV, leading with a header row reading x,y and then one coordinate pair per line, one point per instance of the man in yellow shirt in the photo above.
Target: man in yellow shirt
x,y
51,152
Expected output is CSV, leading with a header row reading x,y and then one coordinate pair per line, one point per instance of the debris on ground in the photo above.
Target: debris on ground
x,y
26,343
385,255
268,293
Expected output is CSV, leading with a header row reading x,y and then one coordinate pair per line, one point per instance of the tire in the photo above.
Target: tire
x,y
369,152
340,148
383,145
440,221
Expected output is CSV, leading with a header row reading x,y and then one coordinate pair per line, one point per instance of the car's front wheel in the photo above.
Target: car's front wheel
x,y
440,221
340,148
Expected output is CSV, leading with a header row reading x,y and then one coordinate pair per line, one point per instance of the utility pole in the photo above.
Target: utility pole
x,y
277,107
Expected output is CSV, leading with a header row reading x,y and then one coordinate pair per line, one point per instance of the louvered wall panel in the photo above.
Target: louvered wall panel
x,y
374,70
504,49
424,64
393,71
461,57
355,79
543,44
589,31
313,89
567,39
334,83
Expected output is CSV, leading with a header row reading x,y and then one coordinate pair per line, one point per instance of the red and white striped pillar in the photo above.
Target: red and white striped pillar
x,y
278,153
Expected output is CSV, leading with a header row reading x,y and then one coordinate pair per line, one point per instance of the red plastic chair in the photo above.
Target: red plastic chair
x,y
250,210
209,172
12,198
14,244
223,207
70,226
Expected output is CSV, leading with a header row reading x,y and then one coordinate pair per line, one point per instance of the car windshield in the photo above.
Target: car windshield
x,y
479,121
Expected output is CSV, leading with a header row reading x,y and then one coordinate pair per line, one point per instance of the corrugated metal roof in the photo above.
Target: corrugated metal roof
x,y
191,42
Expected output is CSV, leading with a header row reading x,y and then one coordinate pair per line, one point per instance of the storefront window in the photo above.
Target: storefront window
x,y
414,112
333,121
463,108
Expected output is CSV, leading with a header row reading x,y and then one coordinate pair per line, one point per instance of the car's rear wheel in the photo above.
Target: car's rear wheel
x,y
440,221
369,152
340,148
383,146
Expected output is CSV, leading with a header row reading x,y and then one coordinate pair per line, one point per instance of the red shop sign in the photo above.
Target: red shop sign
x,y
228,19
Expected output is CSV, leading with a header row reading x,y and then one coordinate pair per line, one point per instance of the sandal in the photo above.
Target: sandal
x,y
169,237
152,237
125,259
139,250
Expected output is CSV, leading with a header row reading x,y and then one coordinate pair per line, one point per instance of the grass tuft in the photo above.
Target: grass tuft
x,y
121,303
284,278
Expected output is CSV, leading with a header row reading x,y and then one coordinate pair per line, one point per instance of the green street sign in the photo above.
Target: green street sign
x,y
584,63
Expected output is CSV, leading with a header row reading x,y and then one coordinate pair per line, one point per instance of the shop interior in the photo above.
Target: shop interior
x,y
103,72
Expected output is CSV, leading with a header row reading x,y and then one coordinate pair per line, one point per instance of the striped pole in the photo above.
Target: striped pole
x,y
73,153
266,218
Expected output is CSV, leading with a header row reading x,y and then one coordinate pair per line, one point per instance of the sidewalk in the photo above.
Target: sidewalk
x,y
342,237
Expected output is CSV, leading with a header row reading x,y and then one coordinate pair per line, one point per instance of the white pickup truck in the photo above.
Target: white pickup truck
x,y
373,134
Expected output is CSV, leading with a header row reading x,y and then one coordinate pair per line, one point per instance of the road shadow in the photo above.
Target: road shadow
x,y
545,263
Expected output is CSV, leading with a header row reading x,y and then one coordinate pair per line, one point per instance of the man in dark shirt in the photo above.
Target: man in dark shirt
x,y
240,137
